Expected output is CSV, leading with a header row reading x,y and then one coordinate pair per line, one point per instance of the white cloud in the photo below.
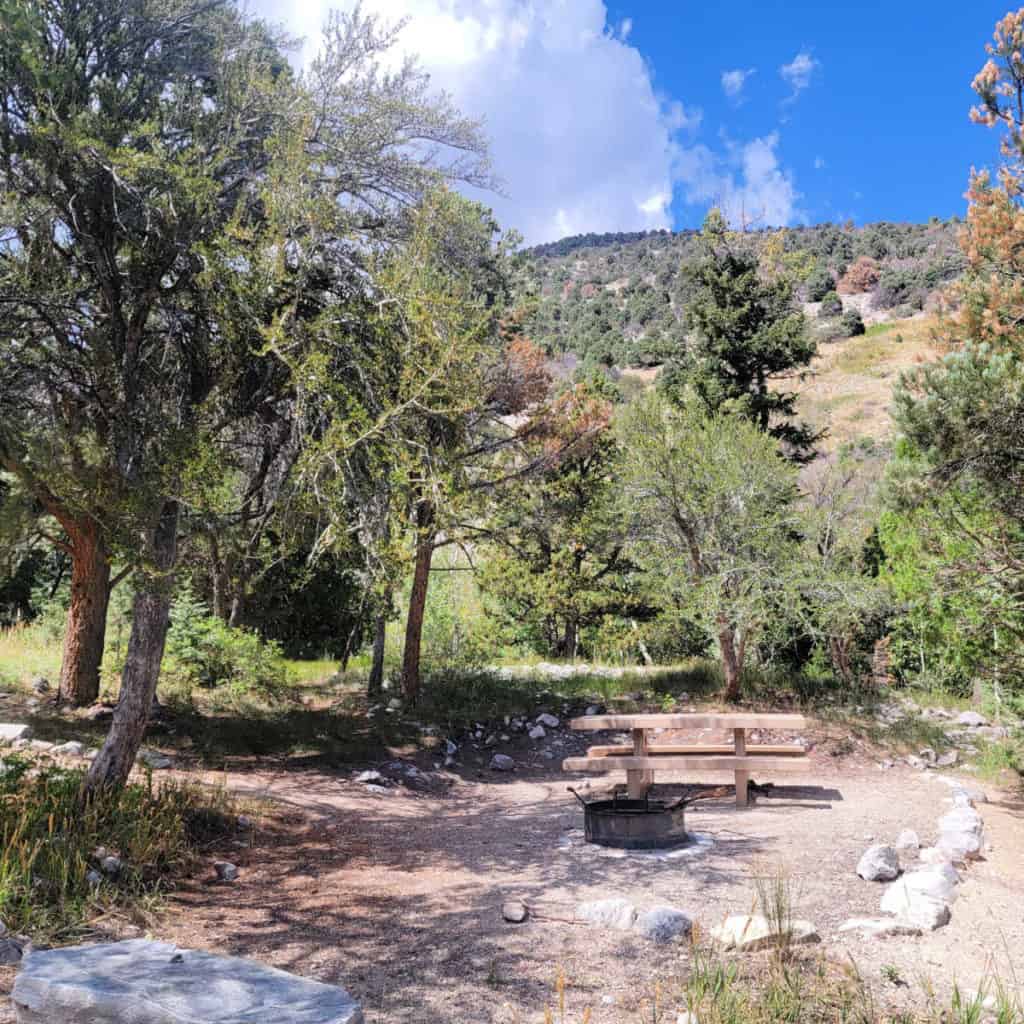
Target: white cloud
x,y
747,183
798,72
734,81
578,134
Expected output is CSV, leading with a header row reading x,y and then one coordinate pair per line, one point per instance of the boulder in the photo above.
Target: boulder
x,y
879,864
10,732
612,913
502,763
70,749
662,924
947,760
921,898
962,819
537,732
751,932
158,983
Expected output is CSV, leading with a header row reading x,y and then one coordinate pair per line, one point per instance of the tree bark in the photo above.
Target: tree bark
x,y
418,602
87,615
375,684
731,665
150,619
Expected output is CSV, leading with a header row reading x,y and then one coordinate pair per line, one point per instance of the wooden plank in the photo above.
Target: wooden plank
x,y
685,763
711,721
773,750
638,783
739,737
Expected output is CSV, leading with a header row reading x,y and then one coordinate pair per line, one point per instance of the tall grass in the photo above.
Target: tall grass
x,y
52,846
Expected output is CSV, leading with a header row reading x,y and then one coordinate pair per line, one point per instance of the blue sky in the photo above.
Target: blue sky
x,y
613,115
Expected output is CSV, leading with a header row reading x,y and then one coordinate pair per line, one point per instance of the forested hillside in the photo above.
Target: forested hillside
x,y
620,299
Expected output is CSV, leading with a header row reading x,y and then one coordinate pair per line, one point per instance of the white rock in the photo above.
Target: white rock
x,y
158,983
879,864
961,819
751,932
908,842
971,719
368,777
879,927
922,897
959,847
662,924
611,913
537,733
9,732
514,911
502,763
548,720
70,749
686,1017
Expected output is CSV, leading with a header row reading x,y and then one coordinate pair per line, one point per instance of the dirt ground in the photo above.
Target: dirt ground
x,y
397,897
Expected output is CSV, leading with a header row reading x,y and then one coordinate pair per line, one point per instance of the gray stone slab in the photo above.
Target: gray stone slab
x,y
146,982
11,731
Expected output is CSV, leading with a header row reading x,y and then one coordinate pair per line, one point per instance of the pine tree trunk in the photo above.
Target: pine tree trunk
x,y
375,684
87,616
731,666
150,619
418,603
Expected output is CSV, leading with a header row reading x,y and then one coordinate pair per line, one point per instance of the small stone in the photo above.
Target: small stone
x,y
662,924
879,927
10,952
751,932
98,712
947,760
514,911
592,710
41,686
502,763
451,747
612,913
548,720
914,762
369,777
394,704
154,759
928,755
112,866
537,732
908,842
879,864
971,719
226,871
371,787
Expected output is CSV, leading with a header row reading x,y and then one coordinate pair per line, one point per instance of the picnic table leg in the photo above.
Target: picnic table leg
x,y
742,777
638,782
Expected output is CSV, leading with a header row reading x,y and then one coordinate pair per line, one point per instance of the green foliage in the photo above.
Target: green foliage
x,y
714,505
48,844
831,305
852,323
747,335
205,652
818,285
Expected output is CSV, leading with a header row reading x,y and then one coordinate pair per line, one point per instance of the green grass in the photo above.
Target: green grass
x,y
49,842
25,653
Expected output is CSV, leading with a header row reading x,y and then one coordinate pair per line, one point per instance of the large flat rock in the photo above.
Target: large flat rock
x,y
145,982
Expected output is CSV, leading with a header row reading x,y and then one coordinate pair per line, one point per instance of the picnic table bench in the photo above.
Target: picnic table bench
x,y
645,756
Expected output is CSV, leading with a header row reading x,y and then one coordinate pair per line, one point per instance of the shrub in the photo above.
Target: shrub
x,y
852,323
861,276
205,651
831,305
49,843
818,285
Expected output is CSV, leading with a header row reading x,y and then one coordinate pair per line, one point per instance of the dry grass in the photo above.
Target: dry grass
x,y
849,389
26,653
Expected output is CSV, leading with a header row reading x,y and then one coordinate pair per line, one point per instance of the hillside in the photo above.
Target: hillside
x,y
619,299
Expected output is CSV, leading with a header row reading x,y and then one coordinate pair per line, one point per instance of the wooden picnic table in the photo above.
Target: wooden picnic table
x,y
645,756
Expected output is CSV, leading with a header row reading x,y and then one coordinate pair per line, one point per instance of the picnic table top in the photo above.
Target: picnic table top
x,y
742,720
